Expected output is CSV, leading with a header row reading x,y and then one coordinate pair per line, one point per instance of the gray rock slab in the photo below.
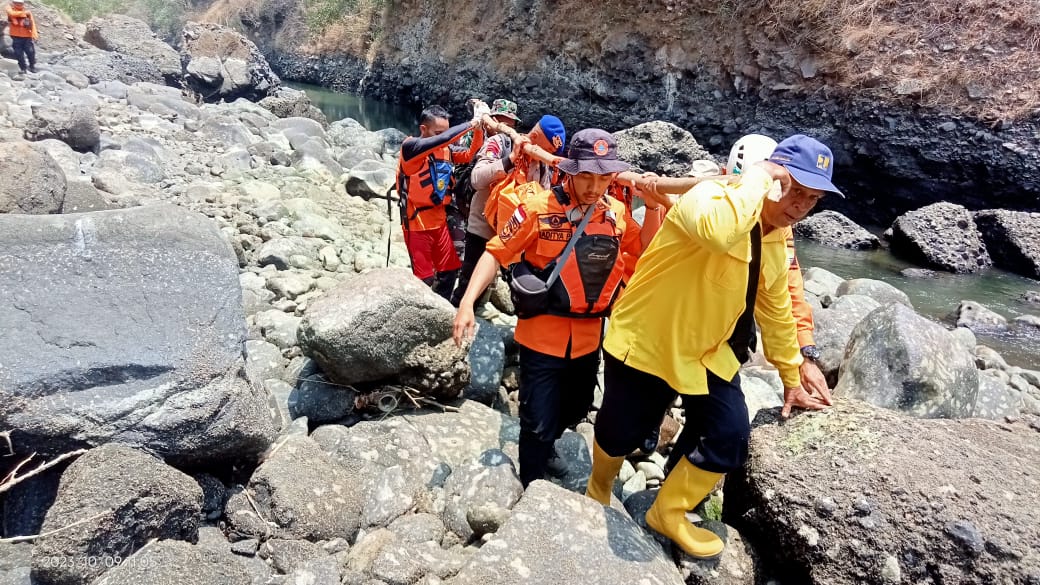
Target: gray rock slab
x,y
554,535
861,495
125,326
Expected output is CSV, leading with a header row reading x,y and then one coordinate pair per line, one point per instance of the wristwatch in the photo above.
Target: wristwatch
x,y
811,352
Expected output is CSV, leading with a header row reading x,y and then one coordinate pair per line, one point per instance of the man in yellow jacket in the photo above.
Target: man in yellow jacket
x,y
22,28
686,323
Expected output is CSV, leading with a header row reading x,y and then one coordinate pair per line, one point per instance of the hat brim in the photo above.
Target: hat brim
x,y
813,181
594,166
506,115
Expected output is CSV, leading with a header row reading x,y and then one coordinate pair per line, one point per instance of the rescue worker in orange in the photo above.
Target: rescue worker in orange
x,y
687,322
424,178
494,161
559,348
22,28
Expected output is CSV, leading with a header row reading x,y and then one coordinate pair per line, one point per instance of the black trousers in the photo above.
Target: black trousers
x,y
24,49
475,246
717,430
555,393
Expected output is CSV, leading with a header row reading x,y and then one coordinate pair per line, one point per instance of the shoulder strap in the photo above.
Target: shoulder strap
x,y
744,338
570,245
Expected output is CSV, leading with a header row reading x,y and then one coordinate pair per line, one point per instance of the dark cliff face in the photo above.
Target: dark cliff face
x,y
890,156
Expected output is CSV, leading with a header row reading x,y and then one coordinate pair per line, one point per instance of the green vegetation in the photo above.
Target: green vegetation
x,y
166,17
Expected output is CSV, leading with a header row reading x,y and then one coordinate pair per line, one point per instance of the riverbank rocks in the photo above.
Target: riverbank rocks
x,y
286,102
833,229
221,64
174,561
554,535
941,235
978,318
125,326
866,496
880,291
306,493
366,327
75,125
1013,239
833,328
31,181
122,34
659,147
900,360
126,499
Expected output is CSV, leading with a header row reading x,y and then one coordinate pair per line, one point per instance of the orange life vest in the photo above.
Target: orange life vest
x,y
424,182
21,23
592,276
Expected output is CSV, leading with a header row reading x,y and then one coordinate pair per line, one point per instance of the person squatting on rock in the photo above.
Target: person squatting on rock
x,y
22,28
424,178
560,340
686,323
495,160
747,151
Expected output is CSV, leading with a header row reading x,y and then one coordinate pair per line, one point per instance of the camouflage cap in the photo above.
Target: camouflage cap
x,y
502,107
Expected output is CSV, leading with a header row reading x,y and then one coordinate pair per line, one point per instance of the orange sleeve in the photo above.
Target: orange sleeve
x,y
464,156
517,234
799,306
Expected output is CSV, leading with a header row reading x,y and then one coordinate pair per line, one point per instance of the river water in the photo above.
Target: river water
x,y
936,298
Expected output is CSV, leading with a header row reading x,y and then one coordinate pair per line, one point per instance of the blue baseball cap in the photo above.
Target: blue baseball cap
x,y
555,133
808,160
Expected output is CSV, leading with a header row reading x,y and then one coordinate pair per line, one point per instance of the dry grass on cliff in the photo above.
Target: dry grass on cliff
x,y
977,56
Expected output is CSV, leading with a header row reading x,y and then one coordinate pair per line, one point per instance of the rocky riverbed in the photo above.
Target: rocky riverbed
x,y
208,297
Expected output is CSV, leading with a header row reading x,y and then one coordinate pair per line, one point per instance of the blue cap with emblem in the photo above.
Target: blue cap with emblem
x,y
808,160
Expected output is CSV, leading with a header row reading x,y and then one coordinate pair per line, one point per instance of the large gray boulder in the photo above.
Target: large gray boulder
x,y
1013,239
31,181
553,536
979,318
126,498
833,229
366,328
221,64
307,494
350,134
878,290
860,495
900,360
833,328
76,126
942,236
104,66
125,326
660,147
286,102
129,36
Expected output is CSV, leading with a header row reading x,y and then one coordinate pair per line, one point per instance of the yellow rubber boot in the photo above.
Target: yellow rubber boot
x,y
684,488
604,469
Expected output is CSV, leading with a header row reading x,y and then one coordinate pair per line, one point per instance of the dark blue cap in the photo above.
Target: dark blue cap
x,y
552,128
808,160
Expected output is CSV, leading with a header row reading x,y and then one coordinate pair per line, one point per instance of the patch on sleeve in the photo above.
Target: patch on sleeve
x,y
514,223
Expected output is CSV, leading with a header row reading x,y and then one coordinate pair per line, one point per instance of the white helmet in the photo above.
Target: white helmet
x,y
749,150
